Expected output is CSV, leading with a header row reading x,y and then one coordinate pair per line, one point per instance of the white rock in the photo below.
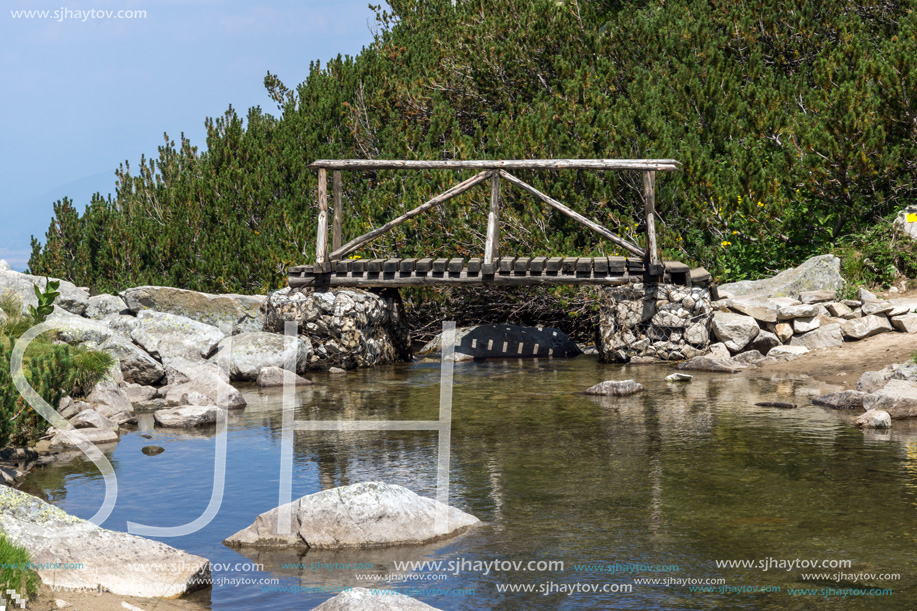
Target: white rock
x,y
804,325
865,295
71,298
734,330
168,335
823,337
763,310
797,311
187,416
246,354
788,351
678,377
100,307
838,310
876,307
138,394
362,599
93,435
90,418
874,419
906,323
897,397
817,296
339,518
860,328
718,351
117,562
109,399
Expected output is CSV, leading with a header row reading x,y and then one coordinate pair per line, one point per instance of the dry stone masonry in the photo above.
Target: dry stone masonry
x,y
661,321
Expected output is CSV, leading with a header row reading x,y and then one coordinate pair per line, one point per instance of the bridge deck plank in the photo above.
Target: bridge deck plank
x,y
508,271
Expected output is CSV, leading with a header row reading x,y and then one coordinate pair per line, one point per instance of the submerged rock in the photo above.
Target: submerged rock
x,y
705,363
275,376
370,514
152,450
777,404
114,561
848,399
614,388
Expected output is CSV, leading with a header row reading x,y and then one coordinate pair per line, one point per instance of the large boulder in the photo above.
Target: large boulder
x,y
167,335
506,341
230,313
71,298
370,514
209,390
110,400
861,328
100,559
816,274
897,397
734,330
827,336
362,599
246,354
347,328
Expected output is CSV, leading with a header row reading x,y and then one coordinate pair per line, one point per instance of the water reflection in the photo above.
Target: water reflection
x,y
684,473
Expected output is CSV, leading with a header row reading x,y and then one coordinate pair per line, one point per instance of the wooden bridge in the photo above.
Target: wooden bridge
x,y
332,269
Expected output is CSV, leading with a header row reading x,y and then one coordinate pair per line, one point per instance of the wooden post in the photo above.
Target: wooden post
x,y
321,237
338,210
492,244
653,265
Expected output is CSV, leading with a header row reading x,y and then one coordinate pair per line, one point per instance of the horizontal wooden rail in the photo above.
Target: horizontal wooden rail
x,y
658,165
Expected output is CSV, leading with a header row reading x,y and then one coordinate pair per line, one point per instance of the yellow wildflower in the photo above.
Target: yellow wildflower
x,y
724,243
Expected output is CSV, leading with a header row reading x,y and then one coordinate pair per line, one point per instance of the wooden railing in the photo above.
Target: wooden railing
x,y
492,171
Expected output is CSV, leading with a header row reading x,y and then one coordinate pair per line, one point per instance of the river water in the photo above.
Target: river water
x,y
665,484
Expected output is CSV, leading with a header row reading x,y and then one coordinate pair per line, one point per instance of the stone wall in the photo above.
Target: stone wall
x,y
659,321
347,328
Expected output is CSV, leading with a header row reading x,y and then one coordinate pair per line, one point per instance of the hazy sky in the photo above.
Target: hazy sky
x,y
81,95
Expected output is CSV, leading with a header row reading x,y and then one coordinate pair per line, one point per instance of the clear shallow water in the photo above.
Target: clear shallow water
x,y
683,474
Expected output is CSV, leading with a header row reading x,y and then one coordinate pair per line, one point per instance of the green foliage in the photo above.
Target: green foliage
x,y
795,121
53,369
878,256
22,579
46,299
